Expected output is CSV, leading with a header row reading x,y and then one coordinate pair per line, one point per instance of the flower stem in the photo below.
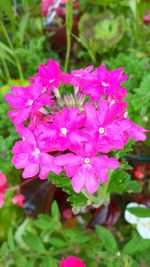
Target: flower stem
x,y
17,187
69,23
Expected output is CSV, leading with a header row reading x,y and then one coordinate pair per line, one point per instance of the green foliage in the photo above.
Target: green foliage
x,y
135,245
142,212
64,182
120,182
7,138
107,238
44,241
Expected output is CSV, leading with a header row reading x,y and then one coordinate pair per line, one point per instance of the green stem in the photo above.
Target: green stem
x,y
6,69
90,197
69,22
18,65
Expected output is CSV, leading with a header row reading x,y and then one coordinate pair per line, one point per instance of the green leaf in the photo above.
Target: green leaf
x,y
22,27
140,211
55,210
4,250
20,259
34,243
43,222
10,239
64,182
7,7
57,242
52,263
6,49
107,238
135,245
121,182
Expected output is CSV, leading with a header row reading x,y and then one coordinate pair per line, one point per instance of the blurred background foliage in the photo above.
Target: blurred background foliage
x,y
112,32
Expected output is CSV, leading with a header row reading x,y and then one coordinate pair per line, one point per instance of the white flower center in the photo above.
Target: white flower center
x,y
87,160
37,151
78,75
63,131
105,84
51,81
125,115
101,130
30,102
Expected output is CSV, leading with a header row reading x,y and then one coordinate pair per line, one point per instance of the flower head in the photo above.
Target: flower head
x,y
49,75
105,82
26,100
32,156
72,262
85,167
18,199
3,188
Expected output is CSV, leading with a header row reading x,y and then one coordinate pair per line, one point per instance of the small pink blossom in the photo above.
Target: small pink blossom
x,y
104,126
18,199
49,75
57,6
25,100
106,83
85,168
65,128
72,262
33,156
3,188
147,17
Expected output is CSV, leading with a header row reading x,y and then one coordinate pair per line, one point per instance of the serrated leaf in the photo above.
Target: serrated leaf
x,y
34,243
135,245
107,238
141,212
64,182
120,182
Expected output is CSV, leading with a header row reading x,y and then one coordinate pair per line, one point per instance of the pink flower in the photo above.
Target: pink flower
x,y
72,262
76,76
106,83
85,167
132,130
18,199
45,4
65,128
32,156
25,100
104,126
147,17
50,74
3,188
49,6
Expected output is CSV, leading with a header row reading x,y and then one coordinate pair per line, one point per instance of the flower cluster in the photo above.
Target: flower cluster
x,y
71,132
